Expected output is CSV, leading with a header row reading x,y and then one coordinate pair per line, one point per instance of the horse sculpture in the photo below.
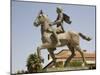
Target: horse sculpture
x,y
69,38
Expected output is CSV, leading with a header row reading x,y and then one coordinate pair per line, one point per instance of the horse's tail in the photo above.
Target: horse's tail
x,y
85,37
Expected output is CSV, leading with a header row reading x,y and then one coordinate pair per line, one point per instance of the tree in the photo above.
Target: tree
x,y
34,64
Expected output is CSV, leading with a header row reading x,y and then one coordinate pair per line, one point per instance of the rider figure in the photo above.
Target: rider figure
x,y
62,17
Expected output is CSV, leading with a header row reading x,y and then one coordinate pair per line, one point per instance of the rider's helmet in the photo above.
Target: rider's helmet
x,y
59,9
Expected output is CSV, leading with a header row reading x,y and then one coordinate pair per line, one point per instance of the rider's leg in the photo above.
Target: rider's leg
x,y
56,36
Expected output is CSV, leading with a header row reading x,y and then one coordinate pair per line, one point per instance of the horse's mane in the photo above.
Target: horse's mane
x,y
46,17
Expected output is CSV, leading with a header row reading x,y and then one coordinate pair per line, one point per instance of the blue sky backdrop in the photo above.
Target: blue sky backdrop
x,y
26,37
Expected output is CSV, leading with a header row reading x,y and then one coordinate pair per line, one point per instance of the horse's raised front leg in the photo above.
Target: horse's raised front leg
x,y
82,54
43,46
39,53
70,57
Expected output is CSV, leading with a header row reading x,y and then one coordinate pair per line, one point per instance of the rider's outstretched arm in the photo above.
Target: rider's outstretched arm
x,y
58,20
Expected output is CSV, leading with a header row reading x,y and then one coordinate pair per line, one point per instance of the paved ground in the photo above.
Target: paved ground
x,y
67,69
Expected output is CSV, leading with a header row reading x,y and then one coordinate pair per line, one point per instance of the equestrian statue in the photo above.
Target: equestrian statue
x,y
53,38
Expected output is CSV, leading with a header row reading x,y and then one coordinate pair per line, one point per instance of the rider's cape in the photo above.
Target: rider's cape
x,y
66,18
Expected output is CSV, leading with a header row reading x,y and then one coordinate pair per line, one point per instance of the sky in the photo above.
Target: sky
x,y
26,37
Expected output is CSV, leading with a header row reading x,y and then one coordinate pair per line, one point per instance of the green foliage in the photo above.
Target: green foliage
x,y
59,64
33,64
75,63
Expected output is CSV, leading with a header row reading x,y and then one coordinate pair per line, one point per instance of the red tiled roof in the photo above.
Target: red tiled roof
x,y
66,53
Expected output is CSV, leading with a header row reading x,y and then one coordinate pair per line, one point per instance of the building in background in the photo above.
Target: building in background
x,y
64,54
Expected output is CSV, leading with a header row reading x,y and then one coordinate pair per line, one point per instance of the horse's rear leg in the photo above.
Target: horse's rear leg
x,y
51,52
82,54
69,58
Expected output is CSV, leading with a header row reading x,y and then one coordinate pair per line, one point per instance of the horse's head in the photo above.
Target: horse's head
x,y
40,19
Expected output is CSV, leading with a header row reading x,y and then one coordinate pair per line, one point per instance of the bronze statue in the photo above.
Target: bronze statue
x,y
69,38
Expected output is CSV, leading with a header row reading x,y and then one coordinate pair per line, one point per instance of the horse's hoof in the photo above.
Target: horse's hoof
x,y
65,65
83,65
